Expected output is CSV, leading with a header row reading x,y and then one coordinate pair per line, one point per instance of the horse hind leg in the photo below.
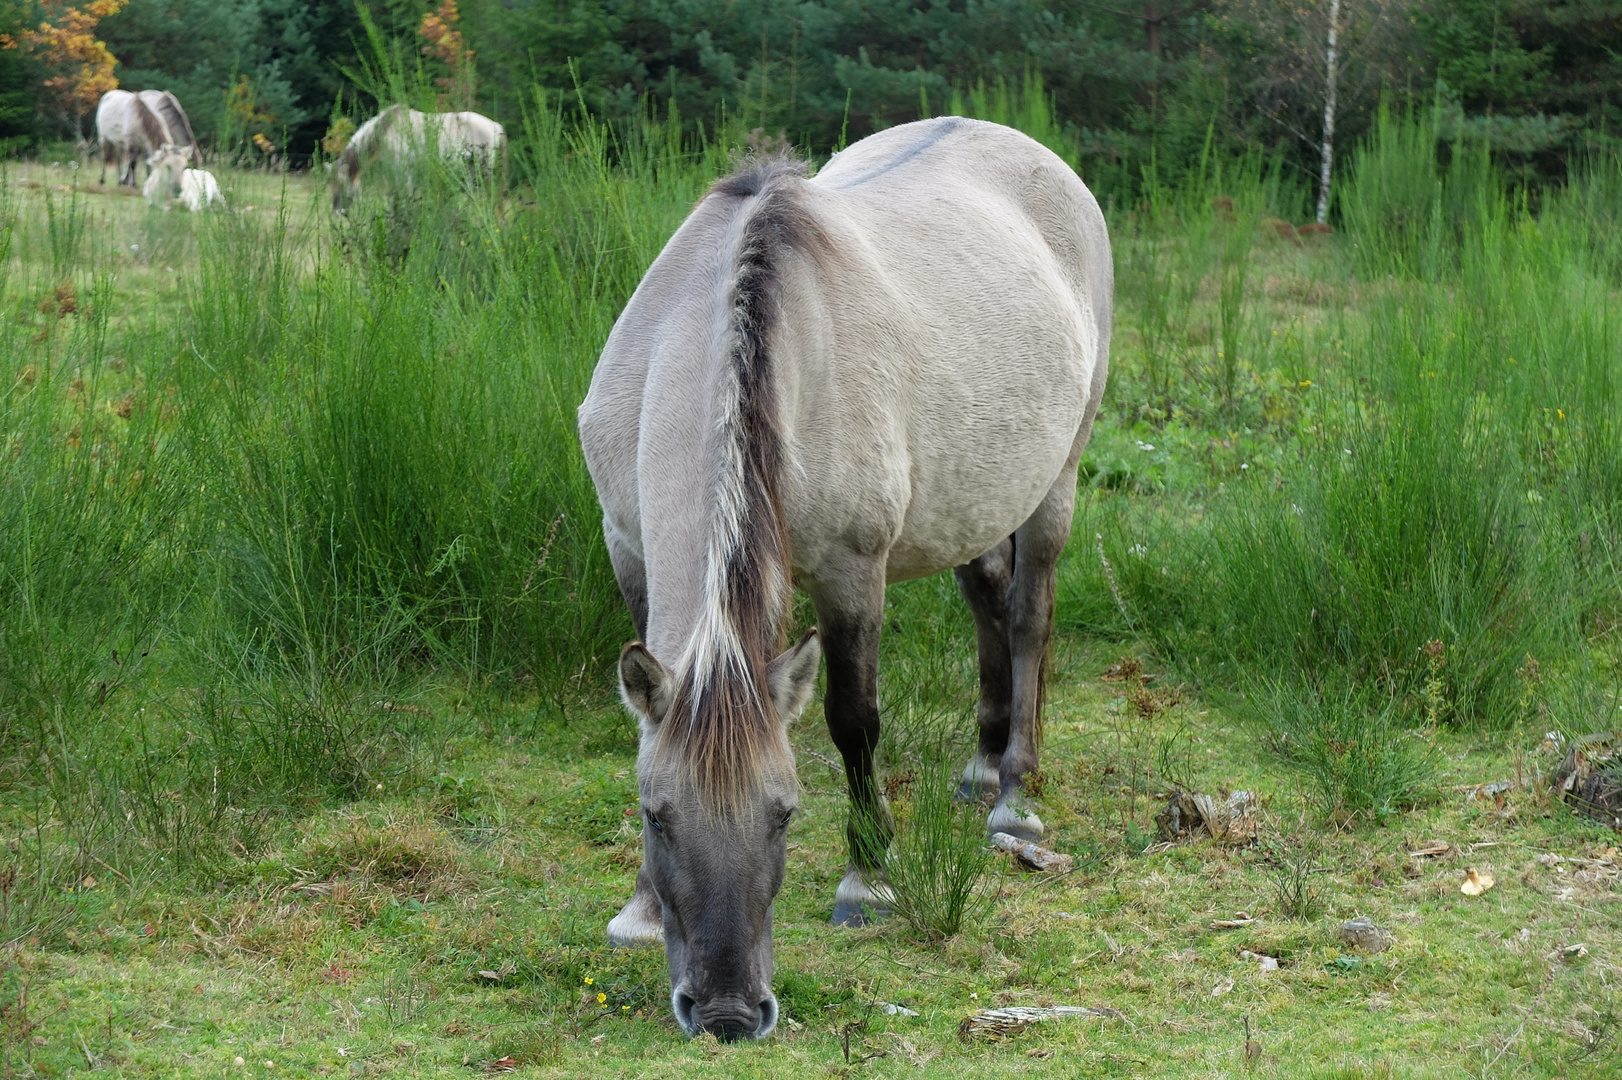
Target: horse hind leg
x,y
1037,546
984,583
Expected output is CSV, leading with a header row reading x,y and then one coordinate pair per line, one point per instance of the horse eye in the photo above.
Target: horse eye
x,y
654,822
788,815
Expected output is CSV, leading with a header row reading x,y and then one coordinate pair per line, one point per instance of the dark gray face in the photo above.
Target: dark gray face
x,y
716,879
717,872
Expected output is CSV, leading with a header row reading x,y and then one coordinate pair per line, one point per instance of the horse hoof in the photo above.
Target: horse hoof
x,y
630,930
856,916
980,778
860,902
1024,824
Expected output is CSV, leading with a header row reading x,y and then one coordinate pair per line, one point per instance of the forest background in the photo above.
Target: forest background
x,y
1135,83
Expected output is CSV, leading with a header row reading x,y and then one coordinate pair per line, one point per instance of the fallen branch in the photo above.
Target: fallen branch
x,y
1033,856
999,1024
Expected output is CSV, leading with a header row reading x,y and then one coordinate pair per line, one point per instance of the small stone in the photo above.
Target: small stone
x,y
1363,933
1263,962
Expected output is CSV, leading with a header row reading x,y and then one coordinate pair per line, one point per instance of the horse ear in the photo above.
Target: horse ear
x,y
793,676
645,685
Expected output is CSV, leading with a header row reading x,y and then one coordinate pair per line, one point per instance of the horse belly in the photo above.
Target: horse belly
x,y
993,418
974,482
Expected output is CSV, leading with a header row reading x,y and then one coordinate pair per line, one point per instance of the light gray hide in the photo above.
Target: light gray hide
x,y
399,134
937,366
131,126
169,178
163,172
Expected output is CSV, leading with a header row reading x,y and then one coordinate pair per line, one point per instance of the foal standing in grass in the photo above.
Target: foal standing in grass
x,y
835,383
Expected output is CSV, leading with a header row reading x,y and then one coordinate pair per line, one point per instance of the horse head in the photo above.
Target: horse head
x,y
165,166
716,777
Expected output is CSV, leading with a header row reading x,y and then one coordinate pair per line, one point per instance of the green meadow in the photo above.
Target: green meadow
x,y
311,759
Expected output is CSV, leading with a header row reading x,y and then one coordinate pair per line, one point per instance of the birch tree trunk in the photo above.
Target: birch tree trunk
x,y
1327,165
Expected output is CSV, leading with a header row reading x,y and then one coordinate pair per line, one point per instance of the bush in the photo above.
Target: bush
x,y
1356,756
937,865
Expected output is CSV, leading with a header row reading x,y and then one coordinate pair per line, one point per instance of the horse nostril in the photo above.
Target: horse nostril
x,y
768,1017
682,1004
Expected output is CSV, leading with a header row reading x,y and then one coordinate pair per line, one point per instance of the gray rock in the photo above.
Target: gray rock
x,y
1363,933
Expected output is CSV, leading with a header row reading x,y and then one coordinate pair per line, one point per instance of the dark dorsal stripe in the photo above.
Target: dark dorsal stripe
x,y
726,727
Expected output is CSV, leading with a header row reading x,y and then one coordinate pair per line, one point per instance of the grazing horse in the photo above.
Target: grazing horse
x,y
835,383
403,133
132,126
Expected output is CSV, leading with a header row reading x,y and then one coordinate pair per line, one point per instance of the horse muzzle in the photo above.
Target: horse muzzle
x,y
727,1017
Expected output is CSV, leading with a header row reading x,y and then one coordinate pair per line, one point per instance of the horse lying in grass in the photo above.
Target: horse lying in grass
x,y
167,177
130,126
402,134
835,383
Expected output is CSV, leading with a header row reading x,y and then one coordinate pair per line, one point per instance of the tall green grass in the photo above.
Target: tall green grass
x,y
1450,472
341,469
243,519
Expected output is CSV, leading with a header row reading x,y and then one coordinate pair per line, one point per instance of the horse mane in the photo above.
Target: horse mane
x,y
364,143
173,118
722,721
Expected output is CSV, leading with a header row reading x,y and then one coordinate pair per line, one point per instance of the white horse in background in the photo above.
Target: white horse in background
x,y
130,126
403,133
169,178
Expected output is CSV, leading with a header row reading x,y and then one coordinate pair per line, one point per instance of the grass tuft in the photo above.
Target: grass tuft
x,y
1357,756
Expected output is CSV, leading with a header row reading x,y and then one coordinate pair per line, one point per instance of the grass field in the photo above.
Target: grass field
x,y
310,761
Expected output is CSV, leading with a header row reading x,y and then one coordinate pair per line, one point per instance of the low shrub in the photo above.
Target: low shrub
x,y
1352,747
937,865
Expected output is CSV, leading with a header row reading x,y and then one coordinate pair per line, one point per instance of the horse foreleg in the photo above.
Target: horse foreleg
x,y
1037,546
641,921
850,614
632,576
984,583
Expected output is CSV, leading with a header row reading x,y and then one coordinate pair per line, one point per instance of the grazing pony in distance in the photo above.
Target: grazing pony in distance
x,y
132,126
401,134
169,178
835,383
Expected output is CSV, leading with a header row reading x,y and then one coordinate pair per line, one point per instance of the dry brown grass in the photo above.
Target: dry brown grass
x,y
403,857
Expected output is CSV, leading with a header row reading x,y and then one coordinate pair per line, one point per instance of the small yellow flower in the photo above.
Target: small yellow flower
x,y
602,999
1304,383
588,980
1561,413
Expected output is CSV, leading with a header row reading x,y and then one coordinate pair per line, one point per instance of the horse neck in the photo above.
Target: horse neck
x,y
715,546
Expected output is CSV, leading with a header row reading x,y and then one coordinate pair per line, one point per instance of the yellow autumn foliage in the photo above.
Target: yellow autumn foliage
x,y
79,63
